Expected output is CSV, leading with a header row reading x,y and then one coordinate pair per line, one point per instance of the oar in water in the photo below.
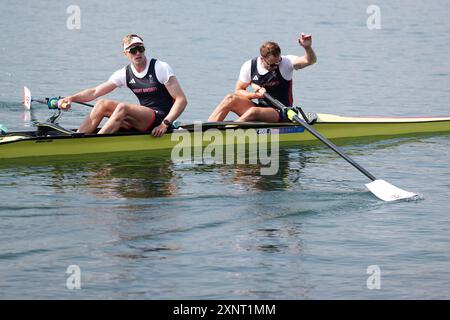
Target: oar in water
x,y
380,188
52,103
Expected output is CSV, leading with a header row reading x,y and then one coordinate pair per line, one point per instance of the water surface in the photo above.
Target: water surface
x,y
144,227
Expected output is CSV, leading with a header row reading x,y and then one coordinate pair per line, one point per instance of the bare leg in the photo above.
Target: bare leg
x,y
103,108
136,116
231,103
260,114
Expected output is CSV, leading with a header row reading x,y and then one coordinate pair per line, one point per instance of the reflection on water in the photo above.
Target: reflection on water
x,y
276,240
149,178
126,176
155,175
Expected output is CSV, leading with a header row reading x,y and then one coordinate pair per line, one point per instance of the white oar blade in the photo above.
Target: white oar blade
x,y
388,192
27,98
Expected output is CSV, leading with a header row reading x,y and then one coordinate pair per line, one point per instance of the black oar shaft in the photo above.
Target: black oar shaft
x,y
334,147
39,101
45,102
315,133
85,104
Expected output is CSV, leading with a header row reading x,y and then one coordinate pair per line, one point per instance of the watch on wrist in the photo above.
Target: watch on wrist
x,y
167,123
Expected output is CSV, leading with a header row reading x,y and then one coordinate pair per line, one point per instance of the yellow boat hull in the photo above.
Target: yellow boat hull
x,y
332,127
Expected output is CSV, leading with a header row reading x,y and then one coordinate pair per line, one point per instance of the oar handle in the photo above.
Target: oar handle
x,y
293,116
82,103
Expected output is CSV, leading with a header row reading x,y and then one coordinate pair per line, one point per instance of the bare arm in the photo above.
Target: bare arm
x,y
180,103
87,95
241,90
310,56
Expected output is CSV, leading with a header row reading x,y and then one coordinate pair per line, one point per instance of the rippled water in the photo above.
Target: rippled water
x,y
145,227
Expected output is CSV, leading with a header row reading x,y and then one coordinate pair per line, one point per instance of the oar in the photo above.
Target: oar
x,y
52,103
380,188
82,103
3,129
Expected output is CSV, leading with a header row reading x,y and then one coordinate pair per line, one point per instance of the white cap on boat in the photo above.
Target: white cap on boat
x,y
133,41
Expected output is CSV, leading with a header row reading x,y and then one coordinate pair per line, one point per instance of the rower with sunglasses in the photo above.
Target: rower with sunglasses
x,y
161,98
270,72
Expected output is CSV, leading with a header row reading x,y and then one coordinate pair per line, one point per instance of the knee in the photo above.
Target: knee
x,y
100,106
121,110
100,103
230,100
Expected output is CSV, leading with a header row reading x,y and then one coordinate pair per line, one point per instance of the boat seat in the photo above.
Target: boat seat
x,y
47,129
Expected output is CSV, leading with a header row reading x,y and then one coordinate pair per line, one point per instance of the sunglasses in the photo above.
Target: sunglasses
x,y
272,65
135,49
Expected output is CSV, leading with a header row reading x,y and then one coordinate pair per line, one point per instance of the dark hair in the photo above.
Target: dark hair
x,y
270,48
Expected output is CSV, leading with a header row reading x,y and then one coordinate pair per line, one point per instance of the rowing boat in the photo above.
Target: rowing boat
x,y
52,140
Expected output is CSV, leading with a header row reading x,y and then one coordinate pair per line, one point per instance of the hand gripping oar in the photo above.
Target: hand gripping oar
x,y
52,103
380,188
